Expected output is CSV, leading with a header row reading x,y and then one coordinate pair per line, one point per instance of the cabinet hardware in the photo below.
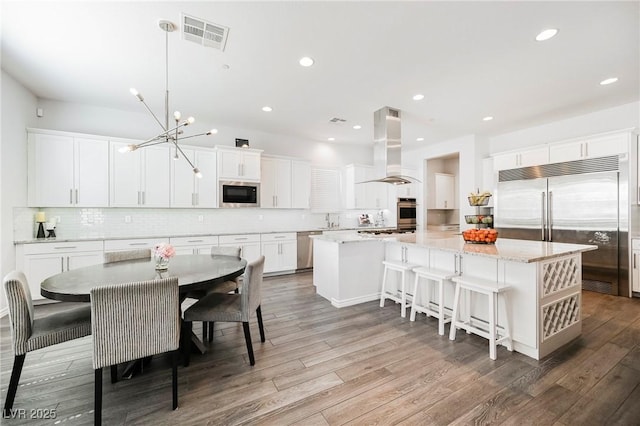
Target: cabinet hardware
x,y
67,263
195,241
137,244
138,197
240,239
76,196
634,260
62,264
197,199
279,236
64,247
193,199
144,196
70,196
586,149
550,220
542,217
581,150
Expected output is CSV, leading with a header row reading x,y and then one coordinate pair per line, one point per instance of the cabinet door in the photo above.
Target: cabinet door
x,y
635,265
80,260
445,190
505,161
358,195
250,166
271,252
207,186
92,172
183,182
269,182
51,165
39,267
534,157
606,145
229,165
300,184
250,251
566,152
288,255
124,177
156,177
325,189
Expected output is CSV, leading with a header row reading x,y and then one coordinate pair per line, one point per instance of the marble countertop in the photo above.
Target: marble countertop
x,y
505,249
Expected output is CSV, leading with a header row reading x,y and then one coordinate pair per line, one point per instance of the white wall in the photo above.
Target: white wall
x,y
610,119
17,111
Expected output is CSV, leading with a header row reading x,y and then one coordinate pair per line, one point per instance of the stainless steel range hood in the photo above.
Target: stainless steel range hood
x,y
386,151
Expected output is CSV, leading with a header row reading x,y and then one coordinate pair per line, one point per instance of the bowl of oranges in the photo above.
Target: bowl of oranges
x,y
480,236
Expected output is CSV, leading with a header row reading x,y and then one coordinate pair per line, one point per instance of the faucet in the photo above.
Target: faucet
x,y
328,219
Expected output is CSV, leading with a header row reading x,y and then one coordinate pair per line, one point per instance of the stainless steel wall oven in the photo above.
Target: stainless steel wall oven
x,y
407,214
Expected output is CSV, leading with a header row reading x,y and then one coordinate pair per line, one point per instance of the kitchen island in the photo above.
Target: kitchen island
x,y
545,278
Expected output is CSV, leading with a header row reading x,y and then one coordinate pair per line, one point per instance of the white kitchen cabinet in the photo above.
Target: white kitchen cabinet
x,y
280,251
525,158
194,245
635,264
238,164
275,184
599,146
65,171
444,194
358,195
187,190
133,244
39,261
325,190
300,184
408,190
249,245
140,178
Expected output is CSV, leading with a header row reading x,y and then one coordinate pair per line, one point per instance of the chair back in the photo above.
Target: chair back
x,y
16,289
118,256
251,295
225,251
134,320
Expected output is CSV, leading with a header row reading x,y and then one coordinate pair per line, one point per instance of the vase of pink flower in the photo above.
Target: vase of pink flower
x,y
163,252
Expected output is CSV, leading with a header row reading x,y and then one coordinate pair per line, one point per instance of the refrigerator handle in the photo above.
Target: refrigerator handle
x,y
542,216
550,212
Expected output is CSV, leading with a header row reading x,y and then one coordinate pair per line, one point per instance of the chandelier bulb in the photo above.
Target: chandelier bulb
x,y
197,172
190,120
177,115
212,132
137,94
128,148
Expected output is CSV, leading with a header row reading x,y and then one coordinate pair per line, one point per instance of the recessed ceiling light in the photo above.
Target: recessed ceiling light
x,y
306,61
419,139
488,118
418,97
331,139
609,81
267,109
546,34
357,127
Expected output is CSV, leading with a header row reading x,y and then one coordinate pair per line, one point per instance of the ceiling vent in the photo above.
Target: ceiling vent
x,y
336,120
205,33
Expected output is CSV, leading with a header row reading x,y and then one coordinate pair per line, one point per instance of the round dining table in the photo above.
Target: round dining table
x,y
194,272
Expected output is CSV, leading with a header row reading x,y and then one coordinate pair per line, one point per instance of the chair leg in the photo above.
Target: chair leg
x,y
247,337
97,415
204,331
114,373
260,325
174,378
18,362
211,331
188,327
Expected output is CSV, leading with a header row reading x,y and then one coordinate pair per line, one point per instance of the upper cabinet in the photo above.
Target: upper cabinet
x,y
187,190
67,171
238,164
139,178
325,189
300,184
600,146
526,158
359,195
408,190
444,194
275,185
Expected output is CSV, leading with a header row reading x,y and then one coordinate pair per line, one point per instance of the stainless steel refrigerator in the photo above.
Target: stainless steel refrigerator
x,y
573,202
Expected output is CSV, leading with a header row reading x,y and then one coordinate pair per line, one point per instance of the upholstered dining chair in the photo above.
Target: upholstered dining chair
x,y
118,256
133,321
29,333
232,307
224,287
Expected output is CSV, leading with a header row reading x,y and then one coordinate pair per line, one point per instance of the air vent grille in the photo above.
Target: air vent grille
x,y
592,165
205,33
337,120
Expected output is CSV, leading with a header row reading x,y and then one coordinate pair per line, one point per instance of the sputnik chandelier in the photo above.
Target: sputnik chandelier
x,y
168,135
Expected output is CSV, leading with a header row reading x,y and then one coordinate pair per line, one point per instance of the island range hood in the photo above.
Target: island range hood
x,y
386,150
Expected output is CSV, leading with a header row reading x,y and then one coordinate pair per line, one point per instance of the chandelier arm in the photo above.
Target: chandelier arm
x,y
154,116
151,143
183,154
193,136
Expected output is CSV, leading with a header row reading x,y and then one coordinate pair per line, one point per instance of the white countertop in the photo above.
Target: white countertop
x,y
505,249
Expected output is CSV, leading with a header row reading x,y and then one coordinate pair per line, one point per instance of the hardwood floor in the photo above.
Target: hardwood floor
x,y
357,365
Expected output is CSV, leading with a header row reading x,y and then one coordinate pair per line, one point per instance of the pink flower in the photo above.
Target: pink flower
x,y
164,250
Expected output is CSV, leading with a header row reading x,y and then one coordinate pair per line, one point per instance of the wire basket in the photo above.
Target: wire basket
x,y
479,200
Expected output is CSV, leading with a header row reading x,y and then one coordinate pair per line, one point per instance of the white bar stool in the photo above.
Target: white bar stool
x,y
398,296
495,334
432,276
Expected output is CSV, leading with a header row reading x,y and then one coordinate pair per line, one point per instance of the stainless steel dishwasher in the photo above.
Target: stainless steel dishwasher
x,y
305,250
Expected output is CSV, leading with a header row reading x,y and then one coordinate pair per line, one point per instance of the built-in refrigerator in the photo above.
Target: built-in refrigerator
x,y
581,202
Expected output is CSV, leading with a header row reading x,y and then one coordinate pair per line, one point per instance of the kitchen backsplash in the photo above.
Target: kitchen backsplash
x,y
84,223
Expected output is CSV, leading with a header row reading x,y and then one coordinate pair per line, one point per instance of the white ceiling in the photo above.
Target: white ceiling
x,y
469,59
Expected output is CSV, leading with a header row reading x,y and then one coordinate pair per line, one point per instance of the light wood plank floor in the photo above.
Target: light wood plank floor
x,y
357,365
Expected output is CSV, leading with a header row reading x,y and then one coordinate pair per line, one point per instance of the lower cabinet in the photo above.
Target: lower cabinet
x,y
635,264
133,244
39,261
280,252
249,245
194,245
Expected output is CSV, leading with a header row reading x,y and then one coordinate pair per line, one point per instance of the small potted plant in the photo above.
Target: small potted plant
x,y
163,252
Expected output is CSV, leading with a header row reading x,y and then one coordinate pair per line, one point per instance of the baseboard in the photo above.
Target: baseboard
x,y
355,300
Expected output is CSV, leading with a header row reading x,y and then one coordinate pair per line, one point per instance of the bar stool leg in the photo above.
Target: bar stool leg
x,y
403,297
384,282
412,317
506,327
467,295
492,325
441,307
455,313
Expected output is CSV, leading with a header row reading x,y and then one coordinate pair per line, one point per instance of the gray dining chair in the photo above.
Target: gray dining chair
x,y
118,256
29,333
224,287
232,307
132,321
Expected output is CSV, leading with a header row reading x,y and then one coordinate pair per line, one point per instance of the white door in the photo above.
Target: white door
x,y
300,184
92,172
124,177
229,164
207,186
51,166
445,190
249,251
268,183
250,169
80,260
156,177
182,182
38,267
271,253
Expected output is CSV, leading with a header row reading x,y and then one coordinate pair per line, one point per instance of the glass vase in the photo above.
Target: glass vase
x,y
162,263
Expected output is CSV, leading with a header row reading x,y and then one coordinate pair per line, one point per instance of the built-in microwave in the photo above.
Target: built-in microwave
x,y
239,194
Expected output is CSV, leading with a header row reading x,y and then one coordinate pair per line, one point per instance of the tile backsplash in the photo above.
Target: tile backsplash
x,y
82,223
